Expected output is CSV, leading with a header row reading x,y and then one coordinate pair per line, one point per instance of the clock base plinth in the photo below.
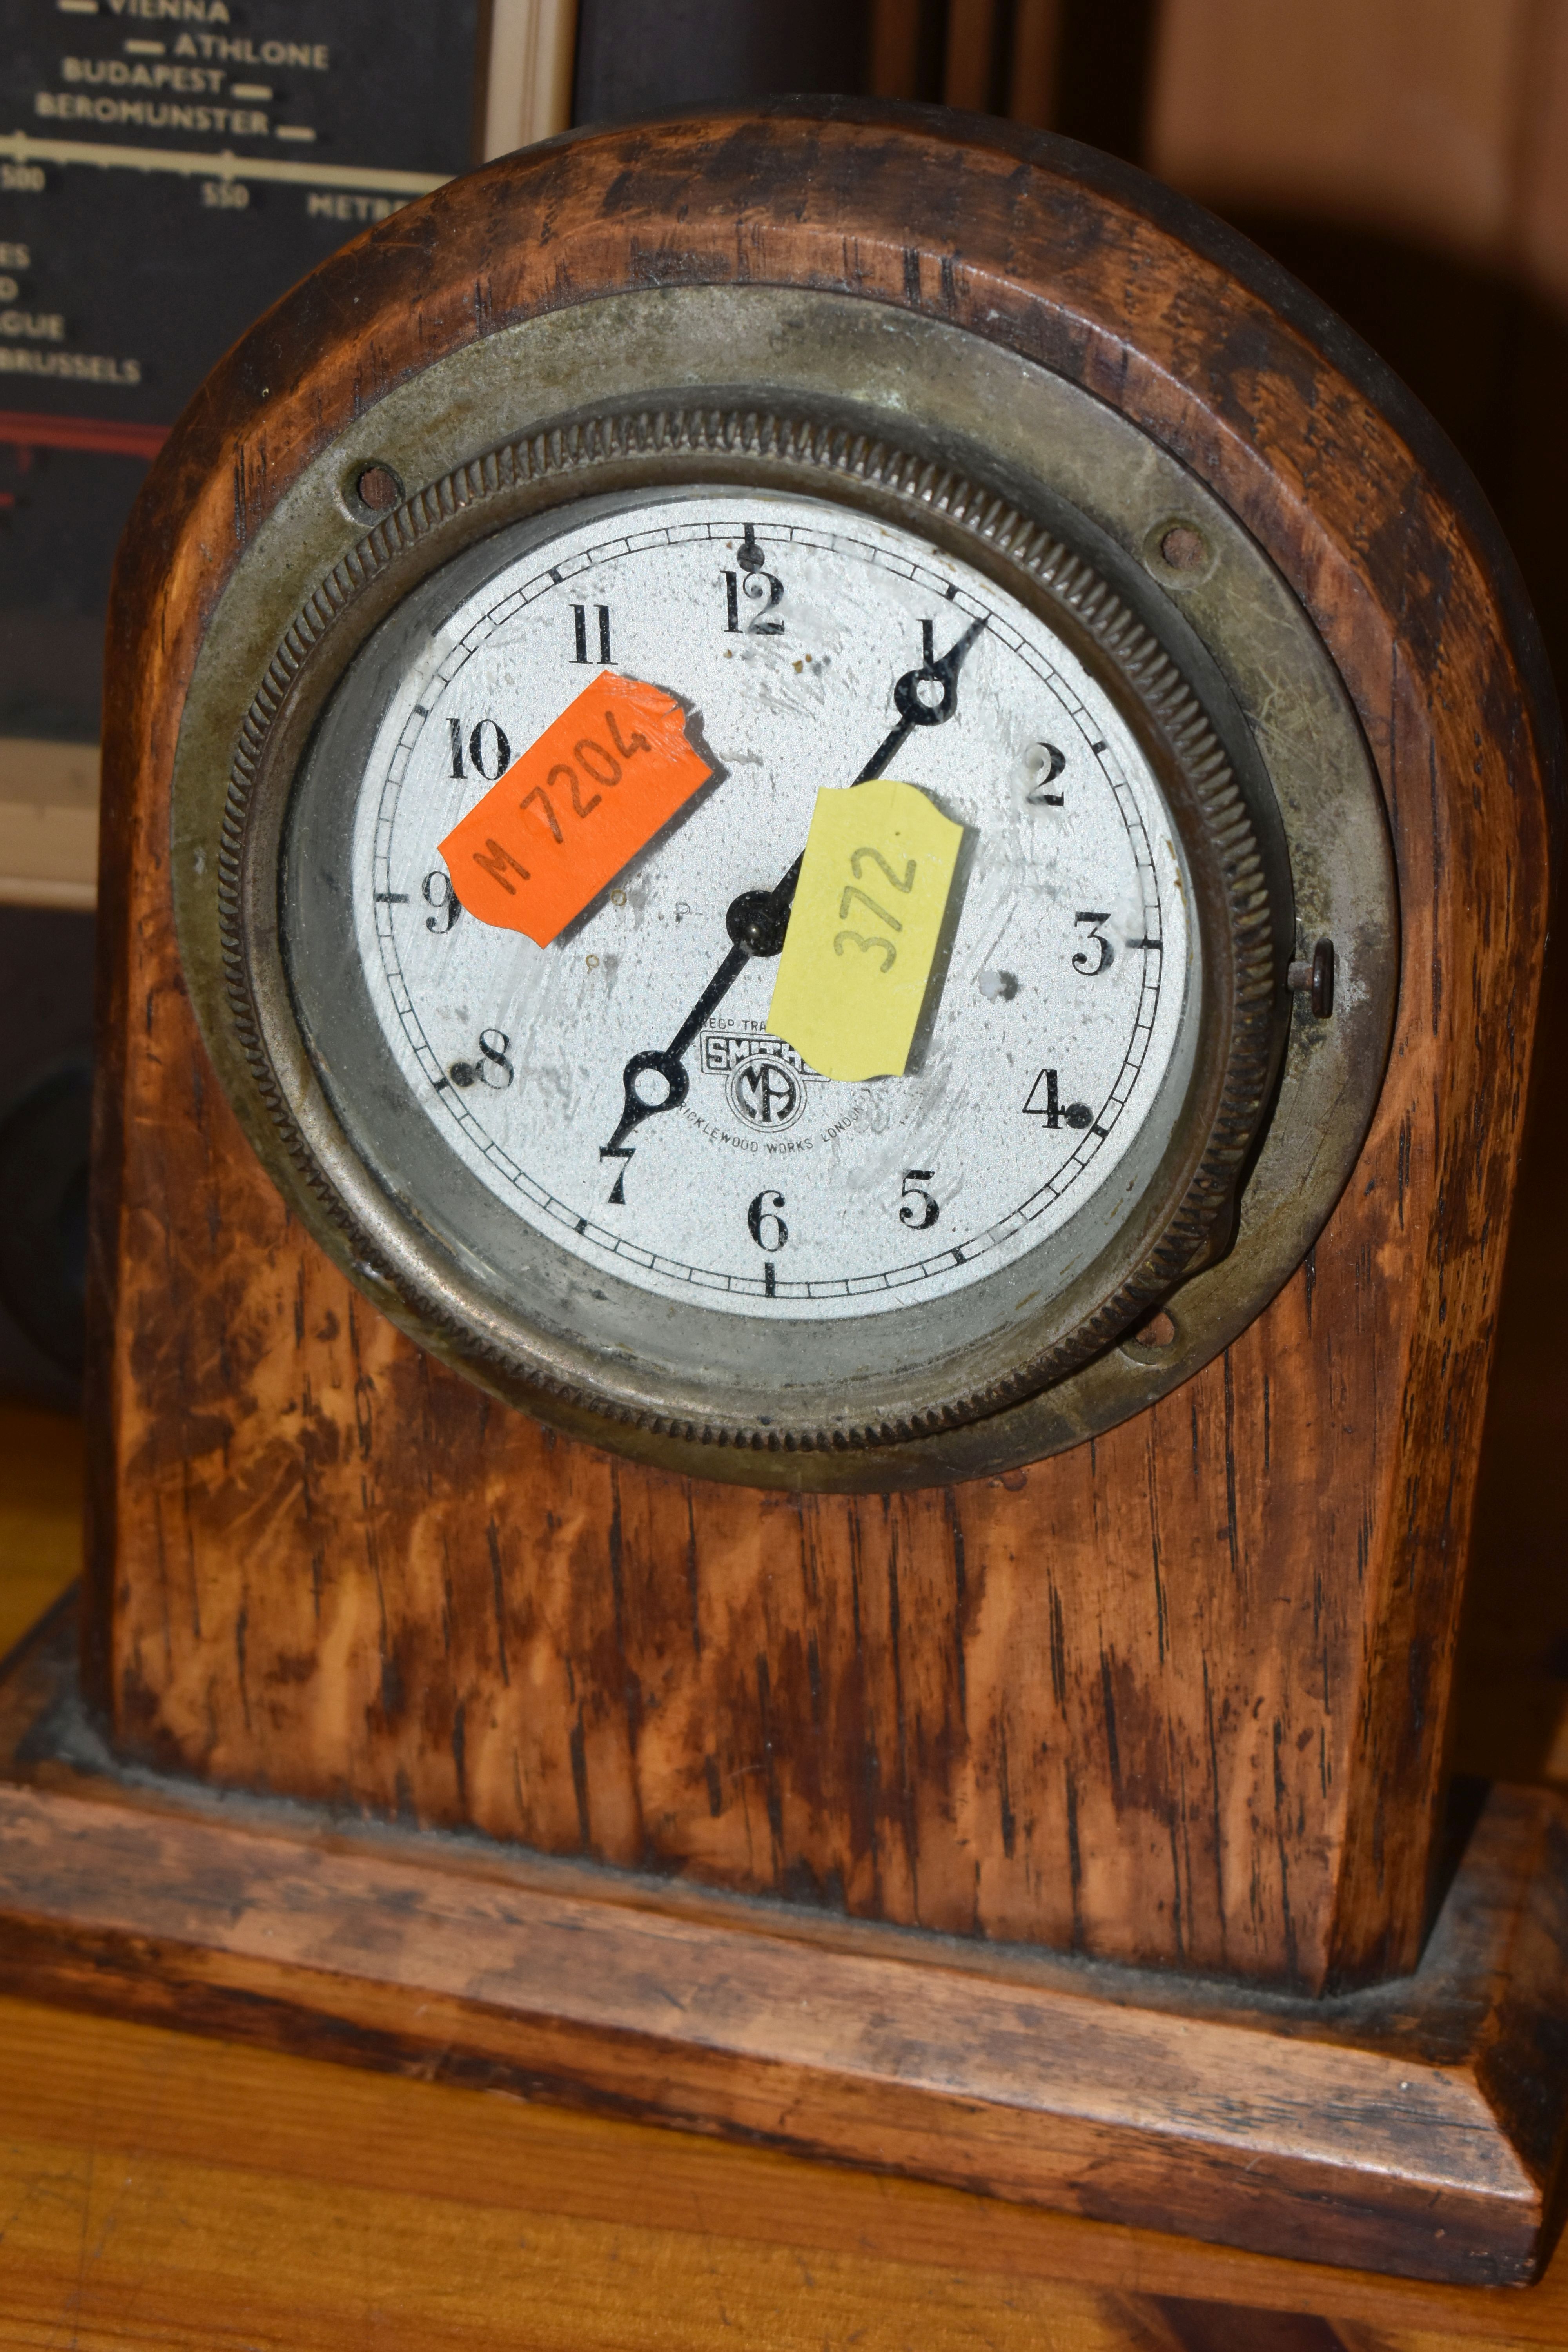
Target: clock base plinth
x,y
1412,2127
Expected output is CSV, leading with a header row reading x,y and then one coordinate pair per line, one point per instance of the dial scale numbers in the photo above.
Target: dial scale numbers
x,y
1056,1015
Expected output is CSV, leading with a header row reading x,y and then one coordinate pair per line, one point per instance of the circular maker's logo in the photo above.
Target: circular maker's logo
x,y
765,1093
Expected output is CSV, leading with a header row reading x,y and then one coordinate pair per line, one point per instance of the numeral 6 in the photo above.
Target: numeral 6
x,y
768,1229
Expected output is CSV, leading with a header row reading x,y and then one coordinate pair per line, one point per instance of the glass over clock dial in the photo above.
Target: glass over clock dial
x,y
815,649
598,1167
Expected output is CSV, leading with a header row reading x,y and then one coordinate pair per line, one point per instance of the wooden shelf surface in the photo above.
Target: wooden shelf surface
x,y
161,2191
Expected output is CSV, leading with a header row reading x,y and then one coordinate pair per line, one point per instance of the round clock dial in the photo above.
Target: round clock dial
x,y
612,1161
1059,1025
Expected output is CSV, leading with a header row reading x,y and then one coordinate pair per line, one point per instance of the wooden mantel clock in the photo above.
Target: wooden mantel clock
x,y
826,862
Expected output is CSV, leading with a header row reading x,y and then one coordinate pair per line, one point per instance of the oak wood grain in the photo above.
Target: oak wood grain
x,y
1417,2127
1177,1698
1369,147
151,2180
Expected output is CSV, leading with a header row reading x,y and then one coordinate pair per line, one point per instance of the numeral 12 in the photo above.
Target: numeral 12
x,y
762,587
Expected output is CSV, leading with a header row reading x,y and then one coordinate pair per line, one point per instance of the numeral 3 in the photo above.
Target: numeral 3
x,y
1091,967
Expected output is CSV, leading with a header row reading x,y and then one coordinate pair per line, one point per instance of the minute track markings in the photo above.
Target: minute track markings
x,y
1019,1215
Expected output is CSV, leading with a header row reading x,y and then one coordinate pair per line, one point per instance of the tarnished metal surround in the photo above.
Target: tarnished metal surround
x,y
1060,458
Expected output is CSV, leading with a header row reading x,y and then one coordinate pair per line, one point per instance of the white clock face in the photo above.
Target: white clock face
x,y
1060,1009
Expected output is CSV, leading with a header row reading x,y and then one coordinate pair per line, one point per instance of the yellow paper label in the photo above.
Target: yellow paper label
x,y
864,927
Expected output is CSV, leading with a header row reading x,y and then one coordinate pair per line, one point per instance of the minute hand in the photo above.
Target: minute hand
x,y
758,919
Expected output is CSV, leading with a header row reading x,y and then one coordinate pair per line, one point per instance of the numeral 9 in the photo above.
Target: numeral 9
x,y
437,891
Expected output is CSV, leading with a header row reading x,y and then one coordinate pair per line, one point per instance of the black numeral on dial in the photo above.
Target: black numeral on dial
x,y
488,749
1039,795
491,1068
767,1228
1091,966
760,588
579,633
918,1208
1045,1102
437,891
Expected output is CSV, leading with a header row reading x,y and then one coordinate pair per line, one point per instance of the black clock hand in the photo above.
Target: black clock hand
x,y
758,919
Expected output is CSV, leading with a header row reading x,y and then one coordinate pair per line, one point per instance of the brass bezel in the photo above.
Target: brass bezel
x,y
988,1422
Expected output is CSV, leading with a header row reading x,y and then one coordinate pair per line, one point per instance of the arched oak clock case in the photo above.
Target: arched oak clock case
x,y
1129,1682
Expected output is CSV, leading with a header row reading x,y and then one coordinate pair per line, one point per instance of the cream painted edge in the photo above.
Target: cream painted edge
x,y
528,87
48,824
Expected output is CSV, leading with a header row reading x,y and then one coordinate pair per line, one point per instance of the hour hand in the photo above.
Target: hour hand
x,y
651,1082
657,1080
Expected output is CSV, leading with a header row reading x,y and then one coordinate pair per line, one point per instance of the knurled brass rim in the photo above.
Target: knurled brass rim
x,y
1237,913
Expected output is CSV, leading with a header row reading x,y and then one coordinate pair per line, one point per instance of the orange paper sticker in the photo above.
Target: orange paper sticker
x,y
578,804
